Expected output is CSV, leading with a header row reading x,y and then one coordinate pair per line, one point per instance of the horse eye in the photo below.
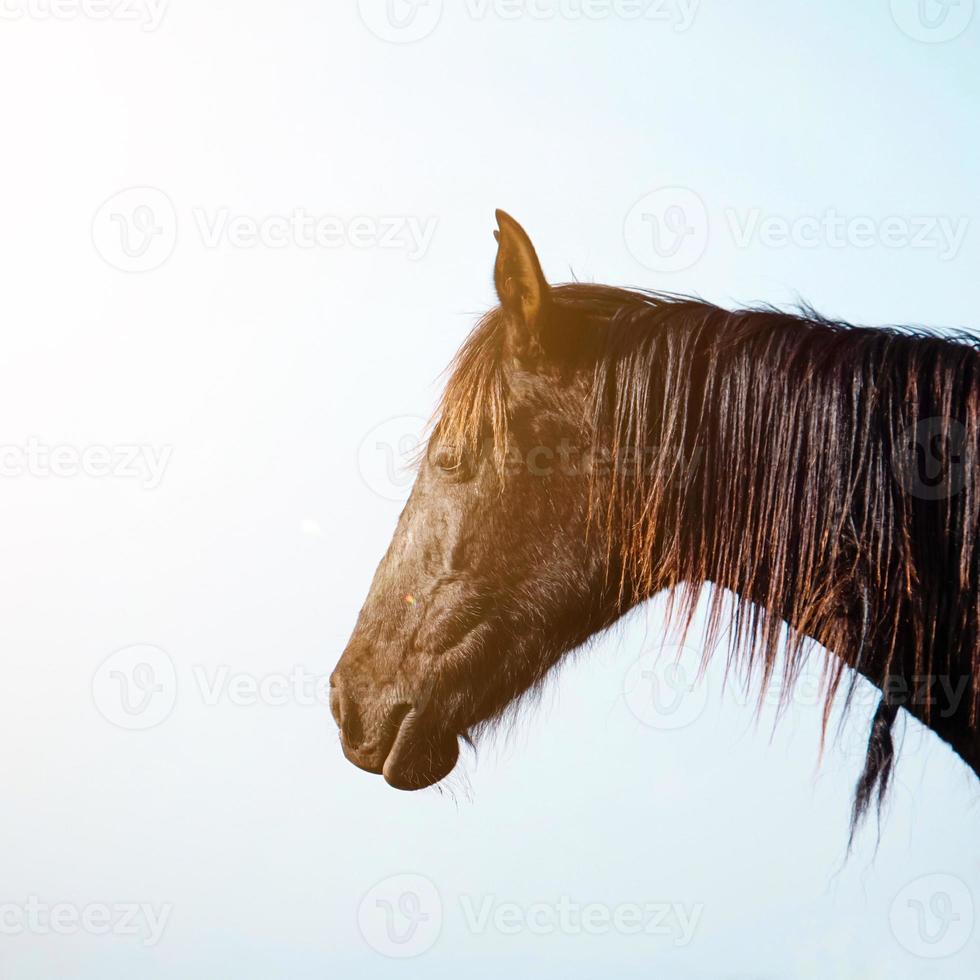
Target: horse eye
x,y
452,463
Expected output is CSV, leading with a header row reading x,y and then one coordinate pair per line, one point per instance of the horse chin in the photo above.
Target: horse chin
x,y
417,759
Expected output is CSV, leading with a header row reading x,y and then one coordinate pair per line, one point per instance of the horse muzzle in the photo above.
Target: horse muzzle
x,y
393,740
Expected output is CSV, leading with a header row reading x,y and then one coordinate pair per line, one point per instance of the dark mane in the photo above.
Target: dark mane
x,y
770,454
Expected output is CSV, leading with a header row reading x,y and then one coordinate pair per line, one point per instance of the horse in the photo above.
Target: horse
x,y
596,446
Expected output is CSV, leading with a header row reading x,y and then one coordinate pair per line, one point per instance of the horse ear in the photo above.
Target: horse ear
x,y
521,286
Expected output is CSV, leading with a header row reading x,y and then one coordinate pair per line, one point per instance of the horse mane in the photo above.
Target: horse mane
x,y
765,454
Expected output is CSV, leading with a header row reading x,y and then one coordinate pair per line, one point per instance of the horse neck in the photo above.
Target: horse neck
x,y
793,505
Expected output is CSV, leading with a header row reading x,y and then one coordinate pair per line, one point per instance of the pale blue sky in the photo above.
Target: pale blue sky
x,y
819,151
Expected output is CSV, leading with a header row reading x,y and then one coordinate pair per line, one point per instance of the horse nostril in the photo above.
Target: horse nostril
x,y
336,706
345,713
350,726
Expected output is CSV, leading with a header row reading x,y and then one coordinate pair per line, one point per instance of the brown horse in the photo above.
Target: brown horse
x,y
596,446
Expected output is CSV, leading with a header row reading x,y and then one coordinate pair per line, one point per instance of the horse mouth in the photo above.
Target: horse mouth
x,y
405,751
419,758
